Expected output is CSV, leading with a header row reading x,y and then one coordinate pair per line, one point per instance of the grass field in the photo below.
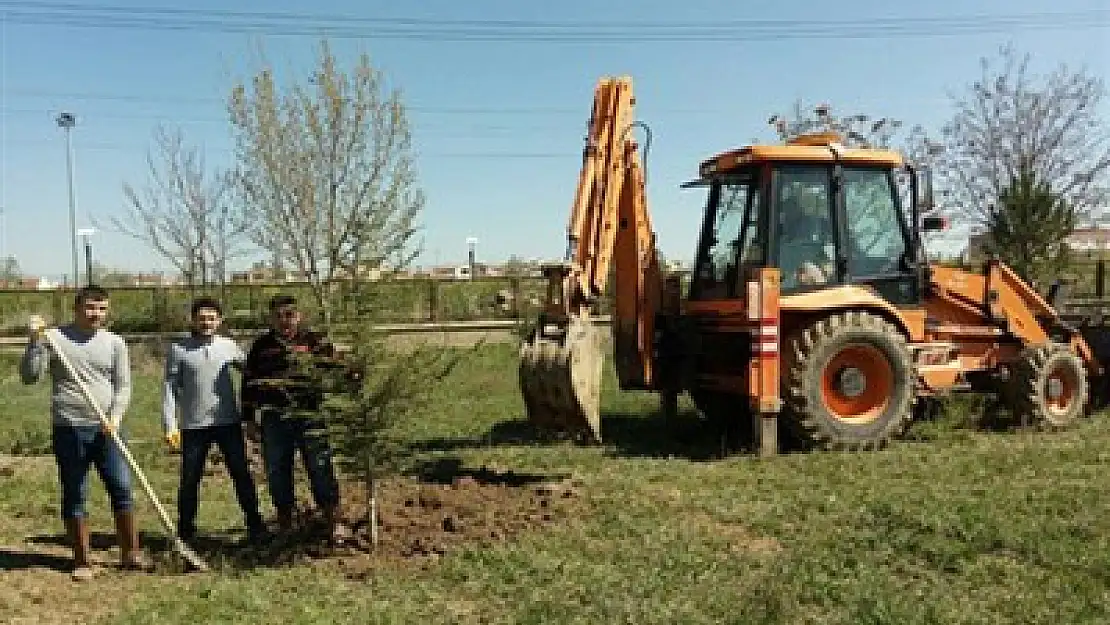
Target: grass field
x,y
953,525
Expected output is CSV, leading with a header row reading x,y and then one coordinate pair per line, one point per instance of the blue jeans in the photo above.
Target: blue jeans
x,y
280,439
77,447
195,444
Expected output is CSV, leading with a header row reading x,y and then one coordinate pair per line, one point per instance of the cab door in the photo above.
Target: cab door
x,y
804,228
878,239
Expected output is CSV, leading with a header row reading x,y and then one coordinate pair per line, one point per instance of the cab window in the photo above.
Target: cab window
x,y
806,234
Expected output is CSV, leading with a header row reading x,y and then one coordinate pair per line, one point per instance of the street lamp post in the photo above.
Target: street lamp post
x,y
86,234
471,243
67,121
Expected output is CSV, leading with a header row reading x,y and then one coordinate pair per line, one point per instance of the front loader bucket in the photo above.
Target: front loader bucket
x,y
560,378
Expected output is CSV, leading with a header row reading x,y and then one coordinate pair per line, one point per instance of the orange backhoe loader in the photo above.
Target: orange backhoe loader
x,y
811,305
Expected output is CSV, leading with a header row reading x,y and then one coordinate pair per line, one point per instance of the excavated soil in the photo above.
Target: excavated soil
x,y
426,515
421,518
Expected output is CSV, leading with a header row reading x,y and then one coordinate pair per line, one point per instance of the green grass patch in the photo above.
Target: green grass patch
x,y
955,525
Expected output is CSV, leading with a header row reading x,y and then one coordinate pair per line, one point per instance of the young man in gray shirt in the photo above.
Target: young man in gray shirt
x,y
79,439
198,385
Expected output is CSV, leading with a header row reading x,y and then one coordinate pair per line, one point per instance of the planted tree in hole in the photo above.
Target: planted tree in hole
x,y
370,388
378,388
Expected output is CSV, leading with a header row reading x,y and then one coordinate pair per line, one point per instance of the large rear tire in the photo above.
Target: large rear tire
x,y
1049,387
848,383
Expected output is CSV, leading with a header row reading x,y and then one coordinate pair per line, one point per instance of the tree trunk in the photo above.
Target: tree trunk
x,y
372,486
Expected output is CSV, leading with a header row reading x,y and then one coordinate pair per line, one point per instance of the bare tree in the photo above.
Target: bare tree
x,y
184,213
1009,120
325,171
858,130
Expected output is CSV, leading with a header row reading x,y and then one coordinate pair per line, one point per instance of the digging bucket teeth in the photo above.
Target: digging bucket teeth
x,y
560,378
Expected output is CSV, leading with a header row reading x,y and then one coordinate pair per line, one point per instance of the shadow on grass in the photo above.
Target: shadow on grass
x,y
220,550
687,436
449,470
630,434
15,560
960,416
691,437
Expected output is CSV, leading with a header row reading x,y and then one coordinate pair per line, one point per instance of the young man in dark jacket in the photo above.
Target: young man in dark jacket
x,y
272,389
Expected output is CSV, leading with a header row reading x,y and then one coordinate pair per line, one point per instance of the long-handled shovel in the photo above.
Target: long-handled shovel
x,y
179,545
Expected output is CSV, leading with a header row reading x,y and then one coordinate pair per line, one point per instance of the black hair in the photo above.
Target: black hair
x,y
205,302
278,301
92,292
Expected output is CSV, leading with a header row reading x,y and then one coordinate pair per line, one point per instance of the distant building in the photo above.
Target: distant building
x,y
1080,240
30,284
450,272
261,273
151,279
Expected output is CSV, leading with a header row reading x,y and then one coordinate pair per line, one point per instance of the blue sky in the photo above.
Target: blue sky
x,y
498,125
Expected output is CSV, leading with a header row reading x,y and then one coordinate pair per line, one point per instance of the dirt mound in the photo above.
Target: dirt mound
x,y
420,519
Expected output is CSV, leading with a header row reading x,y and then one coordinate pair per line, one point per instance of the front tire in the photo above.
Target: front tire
x,y
1049,387
848,382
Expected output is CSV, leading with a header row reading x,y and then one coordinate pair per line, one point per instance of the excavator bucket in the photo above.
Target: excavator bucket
x,y
560,378
609,234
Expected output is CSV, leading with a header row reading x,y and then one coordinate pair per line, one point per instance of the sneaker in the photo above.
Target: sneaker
x,y
82,573
340,534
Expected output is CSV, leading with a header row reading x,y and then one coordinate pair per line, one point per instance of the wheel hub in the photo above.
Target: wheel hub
x,y
1055,388
851,382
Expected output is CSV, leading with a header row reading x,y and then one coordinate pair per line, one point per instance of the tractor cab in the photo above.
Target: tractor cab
x,y
823,214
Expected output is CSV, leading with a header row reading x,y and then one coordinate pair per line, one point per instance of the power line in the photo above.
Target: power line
x,y
414,108
301,17
7,110
196,100
107,146
414,29
133,98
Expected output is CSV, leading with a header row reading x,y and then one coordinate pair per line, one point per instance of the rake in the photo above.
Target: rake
x,y
179,545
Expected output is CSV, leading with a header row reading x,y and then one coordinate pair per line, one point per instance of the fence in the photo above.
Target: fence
x,y
166,309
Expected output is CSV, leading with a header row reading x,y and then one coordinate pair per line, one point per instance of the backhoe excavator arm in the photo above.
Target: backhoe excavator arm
x,y
609,236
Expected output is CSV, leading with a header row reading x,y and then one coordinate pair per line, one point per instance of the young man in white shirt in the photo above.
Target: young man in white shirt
x,y
79,440
198,386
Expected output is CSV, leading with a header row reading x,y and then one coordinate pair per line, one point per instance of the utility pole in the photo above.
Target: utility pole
x,y
471,243
67,121
86,233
